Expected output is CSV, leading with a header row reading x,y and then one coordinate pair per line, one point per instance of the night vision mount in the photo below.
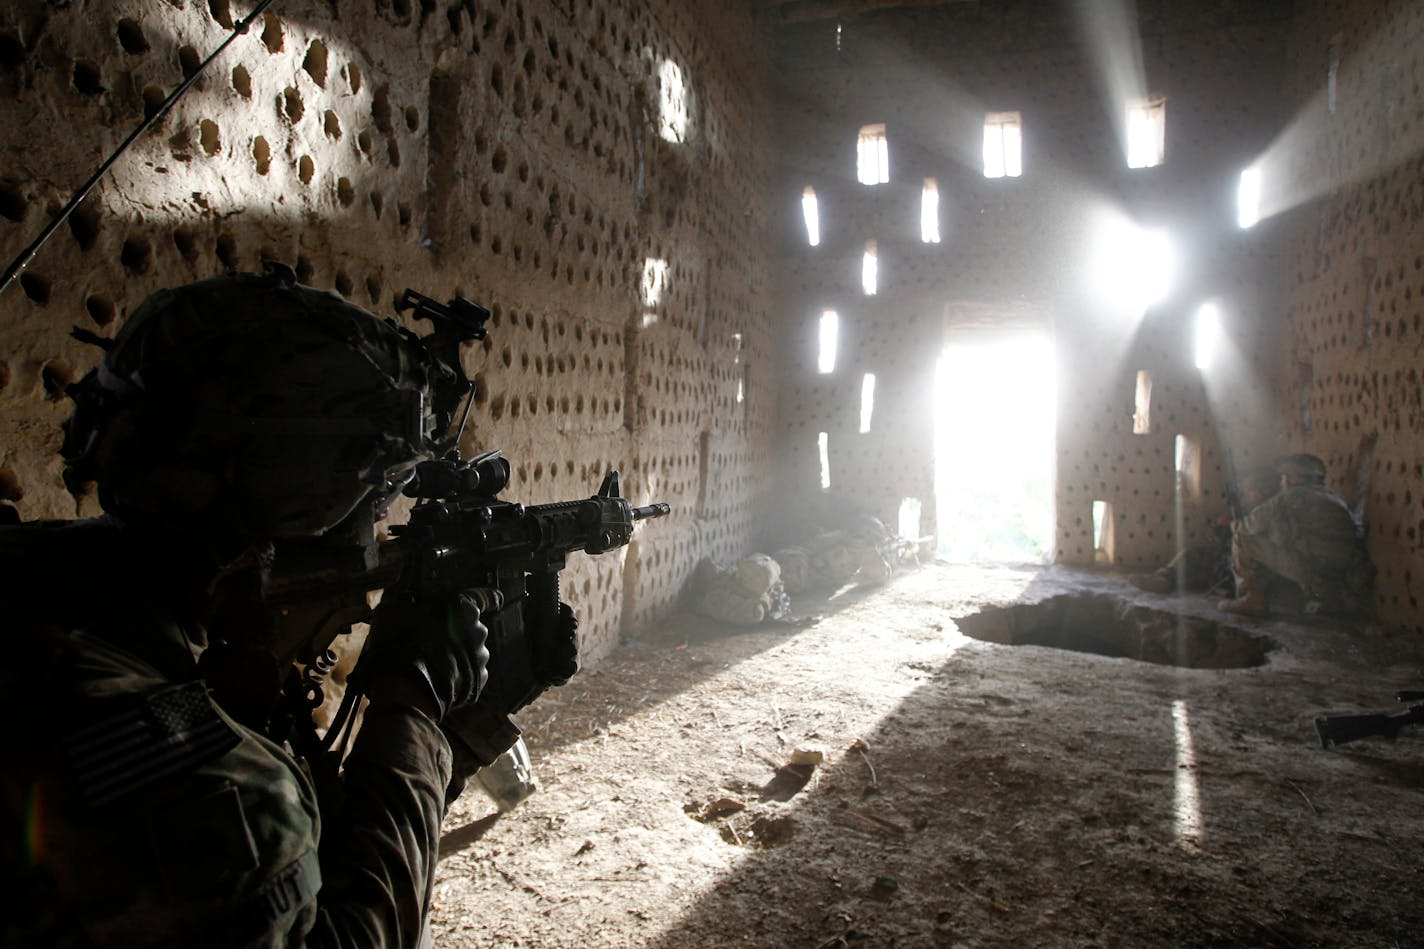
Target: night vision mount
x,y
456,322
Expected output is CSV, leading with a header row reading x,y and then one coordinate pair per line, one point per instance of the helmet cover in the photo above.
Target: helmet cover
x,y
257,406
1309,468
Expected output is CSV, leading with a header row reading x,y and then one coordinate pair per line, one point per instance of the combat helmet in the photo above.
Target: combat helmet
x,y
257,407
1308,468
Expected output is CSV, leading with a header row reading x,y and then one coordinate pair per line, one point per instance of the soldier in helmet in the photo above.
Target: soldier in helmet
x,y
1306,535
1207,567
149,798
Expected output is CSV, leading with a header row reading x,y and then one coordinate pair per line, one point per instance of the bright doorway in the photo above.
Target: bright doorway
x,y
994,448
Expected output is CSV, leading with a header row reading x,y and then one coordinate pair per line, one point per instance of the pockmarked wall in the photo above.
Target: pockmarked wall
x,y
1055,247
1343,202
594,173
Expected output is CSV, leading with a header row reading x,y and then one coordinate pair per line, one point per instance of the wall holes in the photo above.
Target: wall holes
x,y
1003,145
315,62
872,155
226,249
703,443
136,255
12,202
152,100
1142,404
242,81
187,244
331,124
84,226
867,401
188,61
345,193
210,137
810,212
292,106
1103,534
826,353
131,36
35,287
87,78
55,376
12,51
221,11
908,518
823,452
381,109
272,36
100,309
261,155
1187,457
10,489
929,212
306,169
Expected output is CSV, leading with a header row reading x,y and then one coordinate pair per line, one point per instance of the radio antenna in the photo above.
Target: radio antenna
x,y
18,265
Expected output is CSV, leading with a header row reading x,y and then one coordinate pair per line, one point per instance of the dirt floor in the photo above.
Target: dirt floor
x,y
969,793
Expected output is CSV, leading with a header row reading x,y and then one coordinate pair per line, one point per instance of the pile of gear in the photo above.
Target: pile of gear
x,y
759,588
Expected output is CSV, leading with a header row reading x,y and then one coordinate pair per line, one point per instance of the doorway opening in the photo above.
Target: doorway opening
x,y
994,448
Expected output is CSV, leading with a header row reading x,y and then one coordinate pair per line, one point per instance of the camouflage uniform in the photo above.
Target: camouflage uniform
x,y
744,594
1307,535
126,829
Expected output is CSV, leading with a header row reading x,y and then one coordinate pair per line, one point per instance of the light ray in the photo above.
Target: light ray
x,y
1305,161
1187,809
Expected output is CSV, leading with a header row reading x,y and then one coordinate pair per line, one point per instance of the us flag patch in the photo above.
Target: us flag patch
x,y
170,730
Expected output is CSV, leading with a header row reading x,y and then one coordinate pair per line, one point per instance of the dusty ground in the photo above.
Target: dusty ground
x,y
971,793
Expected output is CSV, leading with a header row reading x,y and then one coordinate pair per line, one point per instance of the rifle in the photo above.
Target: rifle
x,y
1339,729
461,537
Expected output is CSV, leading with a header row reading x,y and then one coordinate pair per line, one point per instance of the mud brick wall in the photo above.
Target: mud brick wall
x,y
510,152
1345,180
1018,247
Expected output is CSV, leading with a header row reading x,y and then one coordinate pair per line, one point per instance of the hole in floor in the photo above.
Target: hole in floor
x,y
1108,626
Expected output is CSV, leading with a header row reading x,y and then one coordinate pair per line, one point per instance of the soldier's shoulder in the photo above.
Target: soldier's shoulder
x,y
173,821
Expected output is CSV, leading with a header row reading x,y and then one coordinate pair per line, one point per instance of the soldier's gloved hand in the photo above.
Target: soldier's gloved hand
x,y
433,644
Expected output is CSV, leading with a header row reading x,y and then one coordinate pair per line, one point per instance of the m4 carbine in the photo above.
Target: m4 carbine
x,y
1339,729
462,538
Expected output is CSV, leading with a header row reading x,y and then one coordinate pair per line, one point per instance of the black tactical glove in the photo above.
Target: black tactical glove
x,y
436,642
